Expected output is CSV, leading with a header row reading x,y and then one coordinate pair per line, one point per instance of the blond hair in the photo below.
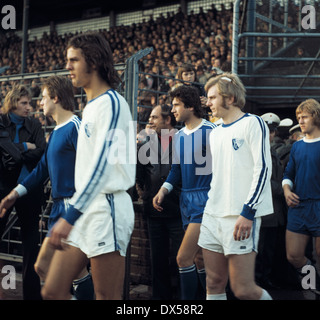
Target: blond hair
x,y
229,85
13,96
310,106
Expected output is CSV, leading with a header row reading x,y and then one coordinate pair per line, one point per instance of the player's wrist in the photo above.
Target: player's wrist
x,y
248,212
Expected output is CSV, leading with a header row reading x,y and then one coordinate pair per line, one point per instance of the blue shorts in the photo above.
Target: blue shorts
x,y
58,210
192,203
305,218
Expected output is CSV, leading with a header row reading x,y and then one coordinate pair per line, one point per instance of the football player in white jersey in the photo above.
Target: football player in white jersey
x,y
240,192
100,218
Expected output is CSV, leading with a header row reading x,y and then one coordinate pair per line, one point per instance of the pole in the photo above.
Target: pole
x,y
25,35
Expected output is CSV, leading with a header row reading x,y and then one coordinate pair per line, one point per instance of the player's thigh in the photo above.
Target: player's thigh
x,y
241,269
189,246
108,275
296,244
216,265
64,267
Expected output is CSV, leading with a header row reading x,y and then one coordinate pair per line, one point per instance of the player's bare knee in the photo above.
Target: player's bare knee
x,y
184,261
40,272
215,283
242,292
295,260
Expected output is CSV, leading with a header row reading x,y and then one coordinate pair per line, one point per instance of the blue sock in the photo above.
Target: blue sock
x,y
202,278
188,282
83,288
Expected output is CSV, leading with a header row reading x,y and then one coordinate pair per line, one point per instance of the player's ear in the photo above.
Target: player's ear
x,y
229,100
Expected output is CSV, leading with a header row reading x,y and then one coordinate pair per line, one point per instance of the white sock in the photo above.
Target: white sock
x,y
265,295
221,296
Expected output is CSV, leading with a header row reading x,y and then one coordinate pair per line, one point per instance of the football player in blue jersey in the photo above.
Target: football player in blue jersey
x,y
57,163
191,169
301,185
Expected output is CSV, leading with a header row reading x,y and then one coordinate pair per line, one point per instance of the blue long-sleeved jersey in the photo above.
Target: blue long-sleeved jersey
x,y
192,158
58,161
303,170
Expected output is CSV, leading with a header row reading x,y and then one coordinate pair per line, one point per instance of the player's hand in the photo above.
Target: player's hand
x,y
158,198
59,234
31,146
7,202
242,228
292,199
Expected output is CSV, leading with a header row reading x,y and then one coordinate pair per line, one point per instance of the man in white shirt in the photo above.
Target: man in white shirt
x,y
100,219
240,192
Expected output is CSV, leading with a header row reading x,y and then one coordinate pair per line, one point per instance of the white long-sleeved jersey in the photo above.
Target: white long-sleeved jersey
x,y
106,152
241,169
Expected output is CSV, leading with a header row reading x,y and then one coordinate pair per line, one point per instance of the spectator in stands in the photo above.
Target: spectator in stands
x,y
165,228
284,149
301,53
187,76
20,153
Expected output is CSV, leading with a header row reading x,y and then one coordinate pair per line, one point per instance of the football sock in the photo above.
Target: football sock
x,y
202,277
188,282
265,295
221,296
83,288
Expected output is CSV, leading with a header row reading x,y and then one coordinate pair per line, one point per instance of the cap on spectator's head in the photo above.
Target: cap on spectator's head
x,y
286,122
271,118
294,129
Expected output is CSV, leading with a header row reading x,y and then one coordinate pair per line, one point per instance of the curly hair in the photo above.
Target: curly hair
x,y
189,95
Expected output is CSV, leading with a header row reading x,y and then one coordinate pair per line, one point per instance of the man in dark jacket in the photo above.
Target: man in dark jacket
x,y
22,143
165,228
271,262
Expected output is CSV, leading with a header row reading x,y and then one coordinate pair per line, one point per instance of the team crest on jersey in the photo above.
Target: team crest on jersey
x,y
237,143
88,128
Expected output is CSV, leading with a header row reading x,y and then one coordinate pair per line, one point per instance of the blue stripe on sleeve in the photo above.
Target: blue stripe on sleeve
x,y
264,170
103,159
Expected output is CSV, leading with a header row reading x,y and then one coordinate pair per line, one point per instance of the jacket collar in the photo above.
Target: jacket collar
x,y
7,122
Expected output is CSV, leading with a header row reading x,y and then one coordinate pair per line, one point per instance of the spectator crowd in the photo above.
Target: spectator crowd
x,y
203,40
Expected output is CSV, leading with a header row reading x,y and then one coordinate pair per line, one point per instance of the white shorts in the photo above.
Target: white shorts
x,y
216,234
106,226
